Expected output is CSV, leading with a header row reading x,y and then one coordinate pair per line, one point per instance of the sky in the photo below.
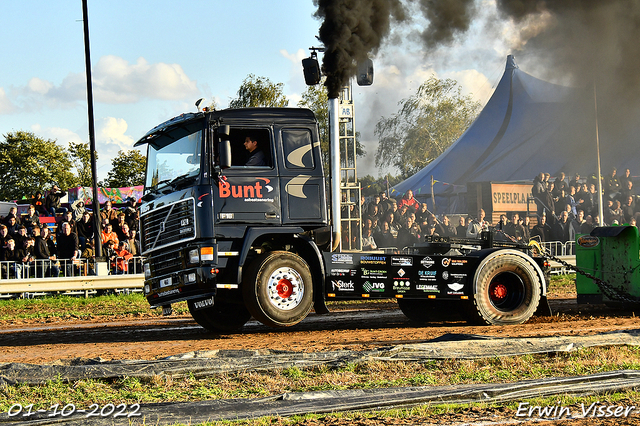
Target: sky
x,y
151,60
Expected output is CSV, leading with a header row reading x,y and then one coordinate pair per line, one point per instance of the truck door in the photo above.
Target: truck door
x,y
249,191
301,184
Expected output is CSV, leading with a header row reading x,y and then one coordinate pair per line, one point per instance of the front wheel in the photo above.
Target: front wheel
x,y
507,290
278,289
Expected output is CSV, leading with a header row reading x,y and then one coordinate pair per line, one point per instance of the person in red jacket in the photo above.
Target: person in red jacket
x,y
409,201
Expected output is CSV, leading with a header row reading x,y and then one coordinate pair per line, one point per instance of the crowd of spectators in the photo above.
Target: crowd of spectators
x,y
31,245
566,208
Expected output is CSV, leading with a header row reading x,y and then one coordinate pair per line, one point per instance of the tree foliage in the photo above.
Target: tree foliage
x,y
426,124
259,92
127,169
80,155
29,164
371,185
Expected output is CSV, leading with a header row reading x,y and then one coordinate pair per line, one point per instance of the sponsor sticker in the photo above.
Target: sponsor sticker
x,y
373,287
374,273
456,289
587,241
401,273
342,258
427,275
342,285
401,261
401,286
343,272
458,262
428,288
446,261
373,260
427,262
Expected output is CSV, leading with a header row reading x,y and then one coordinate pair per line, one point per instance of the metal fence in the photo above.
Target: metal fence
x,y
565,251
65,268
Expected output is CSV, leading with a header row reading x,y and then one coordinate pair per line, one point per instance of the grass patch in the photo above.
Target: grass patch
x,y
79,307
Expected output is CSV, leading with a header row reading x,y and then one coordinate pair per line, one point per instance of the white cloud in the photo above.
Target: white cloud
x,y
117,81
473,83
111,133
40,86
6,106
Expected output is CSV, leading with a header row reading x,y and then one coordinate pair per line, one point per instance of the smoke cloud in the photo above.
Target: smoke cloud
x,y
584,43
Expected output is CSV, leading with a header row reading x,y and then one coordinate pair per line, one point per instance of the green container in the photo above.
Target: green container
x,y
611,254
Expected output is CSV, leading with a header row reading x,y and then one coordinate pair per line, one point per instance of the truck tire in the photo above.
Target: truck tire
x,y
278,289
222,317
424,311
507,291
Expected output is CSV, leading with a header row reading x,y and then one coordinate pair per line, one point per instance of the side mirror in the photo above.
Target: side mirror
x,y
224,150
224,131
365,73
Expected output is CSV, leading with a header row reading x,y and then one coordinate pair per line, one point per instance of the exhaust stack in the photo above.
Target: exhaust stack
x,y
334,137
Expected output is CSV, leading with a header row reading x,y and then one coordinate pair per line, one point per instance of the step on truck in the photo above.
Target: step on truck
x,y
237,238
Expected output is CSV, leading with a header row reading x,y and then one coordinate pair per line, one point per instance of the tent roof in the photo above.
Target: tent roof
x,y
527,127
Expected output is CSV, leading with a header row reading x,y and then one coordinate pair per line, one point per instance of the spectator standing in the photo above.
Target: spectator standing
x,y
409,201
38,202
461,229
109,213
368,242
45,261
542,230
560,229
52,202
109,235
12,266
477,225
32,219
514,229
85,229
626,177
78,209
628,209
68,248
611,184
132,214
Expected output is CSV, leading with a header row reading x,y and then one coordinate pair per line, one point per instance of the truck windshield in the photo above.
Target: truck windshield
x,y
173,157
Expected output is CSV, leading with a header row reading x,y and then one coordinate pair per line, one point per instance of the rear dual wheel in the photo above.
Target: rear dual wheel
x,y
508,290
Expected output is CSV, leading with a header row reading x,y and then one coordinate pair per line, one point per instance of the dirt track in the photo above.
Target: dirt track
x,y
384,325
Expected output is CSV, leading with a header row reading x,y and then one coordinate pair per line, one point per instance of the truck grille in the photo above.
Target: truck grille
x,y
168,225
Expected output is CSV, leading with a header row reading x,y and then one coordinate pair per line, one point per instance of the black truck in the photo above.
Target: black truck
x,y
238,241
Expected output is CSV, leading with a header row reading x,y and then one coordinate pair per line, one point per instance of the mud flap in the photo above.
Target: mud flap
x,y
544,310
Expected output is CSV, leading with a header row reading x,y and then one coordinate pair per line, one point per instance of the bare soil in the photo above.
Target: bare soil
x,y
368,326
352,327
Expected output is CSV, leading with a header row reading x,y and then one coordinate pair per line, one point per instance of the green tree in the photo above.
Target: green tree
x,y
371,185
259,92
127,169
426,124
29,164
81,157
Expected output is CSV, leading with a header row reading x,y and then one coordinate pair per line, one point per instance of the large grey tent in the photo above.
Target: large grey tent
x,y
528,126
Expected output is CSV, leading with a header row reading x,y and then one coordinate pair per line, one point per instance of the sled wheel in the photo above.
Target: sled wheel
x,y
277,289
424,311
222,317
507,290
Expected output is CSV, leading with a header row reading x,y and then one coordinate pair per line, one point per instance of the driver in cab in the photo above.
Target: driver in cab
x,y
256,156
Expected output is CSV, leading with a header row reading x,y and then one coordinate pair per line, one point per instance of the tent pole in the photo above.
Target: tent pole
x,y
600,206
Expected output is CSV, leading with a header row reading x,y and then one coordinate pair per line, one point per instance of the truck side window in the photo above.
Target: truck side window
x,y
250,147
298,153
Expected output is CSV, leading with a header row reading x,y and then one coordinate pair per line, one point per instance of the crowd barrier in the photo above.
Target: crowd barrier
x,y
565,251
68,276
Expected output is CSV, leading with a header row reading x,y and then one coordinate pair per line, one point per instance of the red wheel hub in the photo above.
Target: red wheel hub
x,y
498,291
284,288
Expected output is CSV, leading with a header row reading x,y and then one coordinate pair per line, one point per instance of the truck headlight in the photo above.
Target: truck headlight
x,y
147,270
194,256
